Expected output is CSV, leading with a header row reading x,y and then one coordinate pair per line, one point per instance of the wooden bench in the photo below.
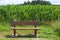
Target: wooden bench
x,y
34,23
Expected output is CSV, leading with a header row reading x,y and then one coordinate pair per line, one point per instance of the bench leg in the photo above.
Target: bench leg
x,y
14,32
35,33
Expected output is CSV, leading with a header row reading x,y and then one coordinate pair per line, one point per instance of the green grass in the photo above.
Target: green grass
x,y
5,27
45,32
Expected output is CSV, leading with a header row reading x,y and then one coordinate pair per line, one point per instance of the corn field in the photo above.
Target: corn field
x,y
40,13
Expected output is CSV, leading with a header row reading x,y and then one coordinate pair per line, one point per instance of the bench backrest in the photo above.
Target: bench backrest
x,y
24,23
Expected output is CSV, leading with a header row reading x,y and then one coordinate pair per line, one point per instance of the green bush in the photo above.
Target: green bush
x,y
29,12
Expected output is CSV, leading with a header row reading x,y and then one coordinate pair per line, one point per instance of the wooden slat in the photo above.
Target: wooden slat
x,y
25,29
24,23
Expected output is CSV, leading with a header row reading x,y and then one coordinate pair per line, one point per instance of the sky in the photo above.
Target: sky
x,y
5,2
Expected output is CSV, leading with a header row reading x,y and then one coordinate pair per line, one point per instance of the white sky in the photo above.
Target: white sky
x,y
4,2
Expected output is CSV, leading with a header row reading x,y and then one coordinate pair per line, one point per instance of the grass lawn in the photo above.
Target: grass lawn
x,y
46,33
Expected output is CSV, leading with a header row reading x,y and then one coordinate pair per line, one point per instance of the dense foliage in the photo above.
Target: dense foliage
x,y
29,12
37,2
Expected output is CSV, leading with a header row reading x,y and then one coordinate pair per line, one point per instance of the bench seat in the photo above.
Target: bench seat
x,y
25,28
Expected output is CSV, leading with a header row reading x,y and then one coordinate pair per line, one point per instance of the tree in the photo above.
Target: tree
x,y
24,2
28,2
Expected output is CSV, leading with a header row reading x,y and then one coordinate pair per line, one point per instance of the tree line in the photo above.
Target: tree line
x,y
41,2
